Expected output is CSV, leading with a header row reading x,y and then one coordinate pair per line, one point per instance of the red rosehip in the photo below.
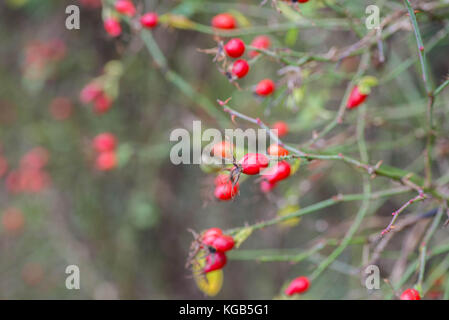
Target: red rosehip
x,y
223,243
410,294
260,42
356,98
125,7
104,142
252,163
106,161
112,27
223,21
226,191
277,150
102,103
265,87
235,48
278,172
281,127
266,186
221,179
210,235
149,20
90,92
298,286
240,68
215,261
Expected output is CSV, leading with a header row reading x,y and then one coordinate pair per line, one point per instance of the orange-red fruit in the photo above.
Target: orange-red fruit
x,y
260,42
149,20
281,127
106,161
265,87
240,68
223,21
410,294
235,48
112,27
252,163
356,98
222,149
125,7
278,172
226,191
277,150
298,286
104,142
215,261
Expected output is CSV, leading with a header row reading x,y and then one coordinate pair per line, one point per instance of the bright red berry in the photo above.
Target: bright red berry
x,y
278,172
210,235
215,261
410,294
112,27
298,286
260,42
235,48
277,150
102,103
226,191
240,68
223,21
104,142
125,7
281,127
252,163
149,20
221,179
106,161
223,243
265,87
356,98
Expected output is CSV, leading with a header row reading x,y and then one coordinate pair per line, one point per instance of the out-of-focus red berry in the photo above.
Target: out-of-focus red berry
x,y
106,161
298,286
265,87
260,42
36,158
277,150
149,20
105,141
90,92
125,7
410,294
226,191
281,127
102,103
13,220
112,27
252,163
266,186
278,172
224,21
356,98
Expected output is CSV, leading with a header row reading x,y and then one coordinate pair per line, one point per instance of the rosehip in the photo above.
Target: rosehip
x,y
265,87
223,21
222,149
226,191
149,20
235,48
277,150
252,163
278,172
112,27
106,161
410,294
260,42
223,243
125,7
240,68
281,127
221,179
210,235
266,186
104,142
356,98
298,286
90,92
102,103
215,261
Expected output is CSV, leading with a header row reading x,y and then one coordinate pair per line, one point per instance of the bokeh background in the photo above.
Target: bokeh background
x,y
126,228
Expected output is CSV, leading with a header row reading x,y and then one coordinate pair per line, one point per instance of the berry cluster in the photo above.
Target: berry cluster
x,y
105,144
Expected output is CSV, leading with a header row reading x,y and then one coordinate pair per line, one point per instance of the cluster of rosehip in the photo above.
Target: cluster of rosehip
x,y
216,244
126,7
105,144
30,176
235,48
